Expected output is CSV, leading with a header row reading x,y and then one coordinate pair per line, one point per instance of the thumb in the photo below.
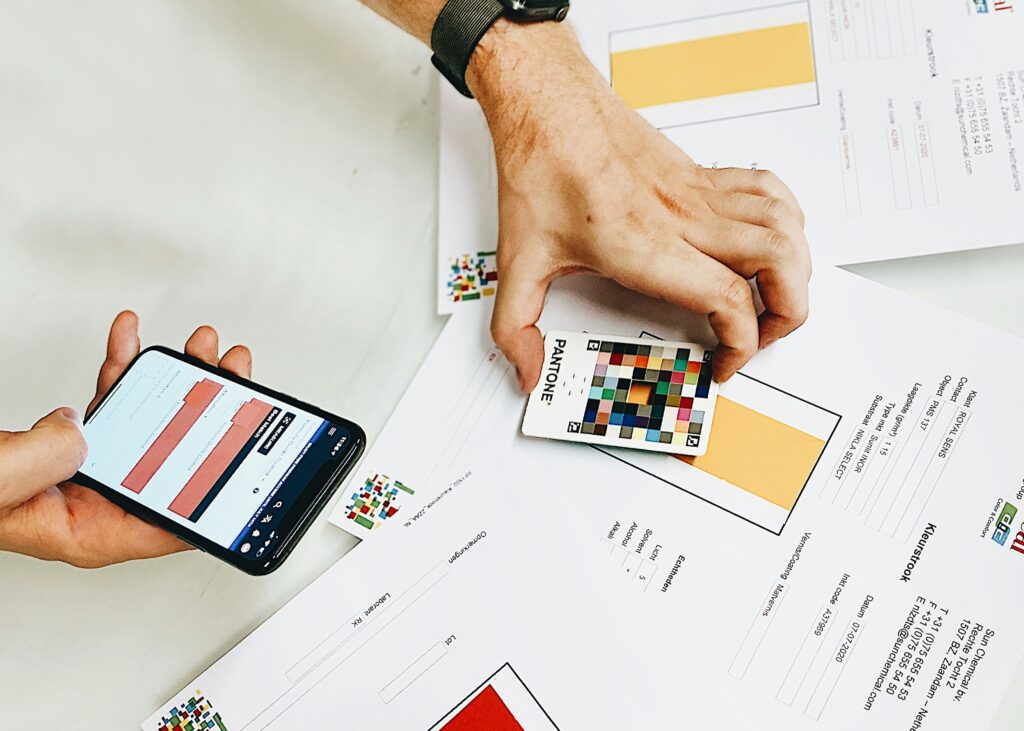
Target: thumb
x,y
47,454
520,300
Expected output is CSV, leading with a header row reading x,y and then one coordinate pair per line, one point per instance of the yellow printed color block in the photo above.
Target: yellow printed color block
x,y
758,454
766,58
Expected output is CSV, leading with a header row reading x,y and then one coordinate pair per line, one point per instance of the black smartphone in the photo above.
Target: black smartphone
x,y
235,469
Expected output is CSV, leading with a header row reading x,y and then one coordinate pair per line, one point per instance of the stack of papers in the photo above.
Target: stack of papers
x,y
847,552
843,557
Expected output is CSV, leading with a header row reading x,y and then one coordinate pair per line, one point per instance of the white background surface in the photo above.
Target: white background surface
x,y
270,168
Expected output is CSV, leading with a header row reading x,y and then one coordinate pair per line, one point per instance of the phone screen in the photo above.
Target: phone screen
x,y
215,456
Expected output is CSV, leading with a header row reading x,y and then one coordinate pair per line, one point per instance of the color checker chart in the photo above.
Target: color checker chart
x,y
648,392
376,500
625,392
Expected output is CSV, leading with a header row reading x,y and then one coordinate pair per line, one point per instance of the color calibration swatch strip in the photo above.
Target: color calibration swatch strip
x,y
195,714
376,501
648,393
473,276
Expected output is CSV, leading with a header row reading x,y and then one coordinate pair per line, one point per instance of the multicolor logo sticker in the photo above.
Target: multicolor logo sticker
x,y
195,714
377,500
473,276
1004,523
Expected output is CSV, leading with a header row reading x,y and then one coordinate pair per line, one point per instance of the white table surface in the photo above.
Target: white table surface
x,y
268,167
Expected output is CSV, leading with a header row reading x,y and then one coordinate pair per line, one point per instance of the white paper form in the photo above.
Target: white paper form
x,y
485,614
898,124
847,555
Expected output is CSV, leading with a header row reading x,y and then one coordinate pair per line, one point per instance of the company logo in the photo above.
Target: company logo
x,y
1004,528
1003,523
985,7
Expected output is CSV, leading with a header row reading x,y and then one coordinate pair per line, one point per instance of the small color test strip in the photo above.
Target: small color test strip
x,y
624,392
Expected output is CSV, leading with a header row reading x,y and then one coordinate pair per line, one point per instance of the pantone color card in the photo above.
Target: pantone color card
x,y
624,392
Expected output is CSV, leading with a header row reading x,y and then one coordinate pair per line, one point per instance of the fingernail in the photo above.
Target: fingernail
x,y
69,413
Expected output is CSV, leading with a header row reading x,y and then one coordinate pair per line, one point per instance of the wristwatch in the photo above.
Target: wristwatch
x,y
462,23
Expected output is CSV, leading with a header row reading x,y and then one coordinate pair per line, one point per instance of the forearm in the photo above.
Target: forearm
x,y
520,70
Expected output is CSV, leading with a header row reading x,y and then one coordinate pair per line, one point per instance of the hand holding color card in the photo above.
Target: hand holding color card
x,y
624,392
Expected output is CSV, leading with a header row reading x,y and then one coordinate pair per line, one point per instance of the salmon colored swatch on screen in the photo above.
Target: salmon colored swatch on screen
x,y
196,401
244,424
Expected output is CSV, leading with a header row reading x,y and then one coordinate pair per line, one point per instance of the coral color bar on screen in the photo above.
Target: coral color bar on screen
x,y
244,424
196,401
486,711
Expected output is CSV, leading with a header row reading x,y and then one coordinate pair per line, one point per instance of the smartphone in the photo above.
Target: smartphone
x,y
233,468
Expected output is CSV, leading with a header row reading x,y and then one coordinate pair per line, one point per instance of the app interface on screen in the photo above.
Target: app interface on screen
x,y
224,460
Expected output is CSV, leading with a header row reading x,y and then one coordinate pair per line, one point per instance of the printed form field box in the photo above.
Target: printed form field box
x,y
805,656
408,676
833,669
908,488
894,26
849,29
851,181
330,647
898,166
758,629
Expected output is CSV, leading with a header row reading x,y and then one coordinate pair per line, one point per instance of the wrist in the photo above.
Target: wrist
x,y
519,61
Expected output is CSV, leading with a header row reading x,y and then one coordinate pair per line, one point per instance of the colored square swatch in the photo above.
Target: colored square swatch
x,y
473,276
195,714
377,500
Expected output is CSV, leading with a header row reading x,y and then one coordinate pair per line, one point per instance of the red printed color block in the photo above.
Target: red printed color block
x,y
486,711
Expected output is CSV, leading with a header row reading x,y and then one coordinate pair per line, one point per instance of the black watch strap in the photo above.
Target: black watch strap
x,y
458,29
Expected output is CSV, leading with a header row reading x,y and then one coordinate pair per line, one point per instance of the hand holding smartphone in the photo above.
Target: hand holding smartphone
x,y
231,467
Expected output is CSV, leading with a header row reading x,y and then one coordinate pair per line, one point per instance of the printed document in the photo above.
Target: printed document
x,y
847,554
490,612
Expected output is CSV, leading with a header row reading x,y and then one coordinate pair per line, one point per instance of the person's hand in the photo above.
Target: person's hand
x,y
41,515
585,184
